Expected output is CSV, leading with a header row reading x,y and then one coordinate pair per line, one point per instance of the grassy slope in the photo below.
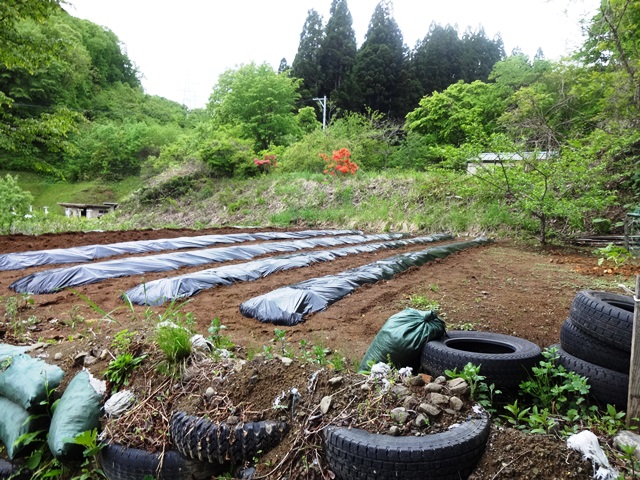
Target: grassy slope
x,y
389,201
47,192
392,201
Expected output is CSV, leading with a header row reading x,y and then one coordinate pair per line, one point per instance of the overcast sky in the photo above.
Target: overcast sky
x,y
181,47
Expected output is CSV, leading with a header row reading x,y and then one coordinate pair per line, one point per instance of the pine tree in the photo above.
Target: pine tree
x,y
306,65
338,49
377,79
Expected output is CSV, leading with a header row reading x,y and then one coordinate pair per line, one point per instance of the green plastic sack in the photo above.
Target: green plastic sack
x,y
15,421
77,411
27,380
8,351
401,338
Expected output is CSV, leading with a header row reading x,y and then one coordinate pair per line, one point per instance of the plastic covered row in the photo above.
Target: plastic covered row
x,y
87,253
50,281
166,289
289,305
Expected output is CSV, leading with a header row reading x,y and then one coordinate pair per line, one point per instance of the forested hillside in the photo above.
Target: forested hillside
x,y
563,134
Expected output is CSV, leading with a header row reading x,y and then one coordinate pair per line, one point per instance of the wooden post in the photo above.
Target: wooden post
x,y
633,403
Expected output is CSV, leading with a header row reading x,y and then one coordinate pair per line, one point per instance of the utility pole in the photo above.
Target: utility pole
x,y
323,103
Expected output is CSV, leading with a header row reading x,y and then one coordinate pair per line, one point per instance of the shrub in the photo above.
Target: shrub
x,y
226,155
14,201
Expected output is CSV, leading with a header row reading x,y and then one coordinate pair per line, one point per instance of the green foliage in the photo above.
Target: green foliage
x,y
18,50
307,121
614,254
559,190
216,337
14,202
555,388
226,155
463,113
122,340
478,389
258,102
175,342
337,50
422,302
306,63
121,368
110,150
377,79
16,308
442,58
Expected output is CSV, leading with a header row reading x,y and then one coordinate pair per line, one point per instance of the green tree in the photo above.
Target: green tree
x,y
257,102
306,64
517,71
479,55
558,192
109,63
18,49
437,59
337,50
613,39
378,79
462,113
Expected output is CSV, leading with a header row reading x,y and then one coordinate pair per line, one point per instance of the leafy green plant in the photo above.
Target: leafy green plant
x,y
280,337
122,340
631,462
554,387
422,302
478,388
516,416
614,254
609,422
218,339
120,369
15,306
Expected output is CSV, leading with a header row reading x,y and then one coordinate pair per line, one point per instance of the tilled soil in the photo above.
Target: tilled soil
x,y
503,287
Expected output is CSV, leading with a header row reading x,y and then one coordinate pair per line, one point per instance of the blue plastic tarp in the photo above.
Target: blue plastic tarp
x,y
159,291
87,253
289,305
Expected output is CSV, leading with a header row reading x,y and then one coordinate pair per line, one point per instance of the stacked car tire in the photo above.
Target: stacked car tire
x,y
595,341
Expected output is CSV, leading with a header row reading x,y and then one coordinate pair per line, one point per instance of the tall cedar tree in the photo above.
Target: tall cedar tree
x,y
337,51
378,76
306,64
480,54
437,59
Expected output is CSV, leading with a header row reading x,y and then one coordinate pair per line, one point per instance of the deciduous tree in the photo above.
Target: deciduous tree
x,y
257,102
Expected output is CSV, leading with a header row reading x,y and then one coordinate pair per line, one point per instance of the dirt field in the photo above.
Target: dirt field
x,y
502,287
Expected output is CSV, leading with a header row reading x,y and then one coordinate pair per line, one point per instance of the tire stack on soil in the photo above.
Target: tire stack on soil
x,y
595,341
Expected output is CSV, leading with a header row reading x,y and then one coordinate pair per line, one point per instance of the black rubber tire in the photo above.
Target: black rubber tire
x,y
7,469
607,386
605,316
200,439
121,463
354,454
591,349
504,360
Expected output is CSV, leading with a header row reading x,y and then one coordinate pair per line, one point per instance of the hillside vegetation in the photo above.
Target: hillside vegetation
x,y
563,134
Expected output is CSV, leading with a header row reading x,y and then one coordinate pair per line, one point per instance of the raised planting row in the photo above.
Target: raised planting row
x,y
166,289
87,253
289,305
50,281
